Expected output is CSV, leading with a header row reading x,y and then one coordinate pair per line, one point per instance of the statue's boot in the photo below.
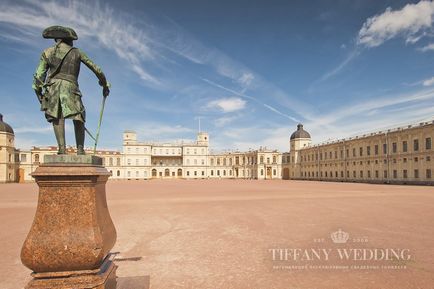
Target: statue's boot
x,y
59,132
79,136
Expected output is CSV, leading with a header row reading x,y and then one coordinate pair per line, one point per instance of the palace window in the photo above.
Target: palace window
x,y
416,173
415,145
368,150
118,161
404,174
376,149
394,147
361,151
395,174
428,173
384,148
428,143
404,146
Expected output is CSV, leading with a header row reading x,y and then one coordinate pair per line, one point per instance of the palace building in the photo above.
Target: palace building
x,y
400,155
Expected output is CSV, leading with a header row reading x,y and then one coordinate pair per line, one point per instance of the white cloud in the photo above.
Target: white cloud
x,y
428,82
429,47
228,104
159,131
90,21
409,21
246,78
225,120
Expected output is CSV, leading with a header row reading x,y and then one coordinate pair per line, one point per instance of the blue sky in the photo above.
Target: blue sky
x,y
250,70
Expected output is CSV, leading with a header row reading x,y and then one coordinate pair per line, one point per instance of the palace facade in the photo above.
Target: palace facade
x,y
401,155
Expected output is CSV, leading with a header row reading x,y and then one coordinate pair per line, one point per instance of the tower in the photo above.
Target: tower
x,y
129,137
298,140
8,166
203,138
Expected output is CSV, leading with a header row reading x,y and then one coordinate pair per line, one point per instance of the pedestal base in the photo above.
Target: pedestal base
x,y
102,278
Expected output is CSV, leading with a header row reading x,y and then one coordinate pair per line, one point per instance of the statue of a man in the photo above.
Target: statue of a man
x,y
55,84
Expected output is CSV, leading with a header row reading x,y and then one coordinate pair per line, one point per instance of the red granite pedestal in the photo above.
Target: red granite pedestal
x,y
72,233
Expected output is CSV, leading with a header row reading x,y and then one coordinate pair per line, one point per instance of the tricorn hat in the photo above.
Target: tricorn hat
x,y
59,32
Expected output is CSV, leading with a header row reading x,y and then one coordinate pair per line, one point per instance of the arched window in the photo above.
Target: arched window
x,y
118,173
179,172
154,172
166,173
37,158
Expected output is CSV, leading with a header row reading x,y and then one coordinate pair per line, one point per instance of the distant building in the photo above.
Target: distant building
x,y
193,160
401,156
8,162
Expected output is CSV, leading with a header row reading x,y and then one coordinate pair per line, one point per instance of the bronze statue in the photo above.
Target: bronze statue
x,y
56,86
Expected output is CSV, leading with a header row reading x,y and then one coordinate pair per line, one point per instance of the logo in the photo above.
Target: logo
x,y
340,237
353,253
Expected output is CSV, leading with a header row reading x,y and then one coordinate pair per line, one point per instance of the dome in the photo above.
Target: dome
x,y
300,133
4,127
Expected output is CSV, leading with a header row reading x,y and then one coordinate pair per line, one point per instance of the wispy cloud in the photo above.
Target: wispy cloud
x,y
428,82
159,131
411,22
352,55
429,47
225,120
269,107
228,104
408,22
90,20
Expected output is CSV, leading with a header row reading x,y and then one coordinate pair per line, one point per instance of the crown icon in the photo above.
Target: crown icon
x,y
339,237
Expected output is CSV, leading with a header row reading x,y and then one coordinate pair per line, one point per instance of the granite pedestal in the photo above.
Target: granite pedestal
x,y
72,233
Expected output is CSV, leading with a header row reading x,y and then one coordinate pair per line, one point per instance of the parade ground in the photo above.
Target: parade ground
x,y
246,234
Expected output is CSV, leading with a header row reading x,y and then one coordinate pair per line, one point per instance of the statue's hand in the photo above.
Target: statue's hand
x,y
39,95
105,91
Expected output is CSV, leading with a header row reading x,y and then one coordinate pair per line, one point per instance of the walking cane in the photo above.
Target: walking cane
x,y
99,126
99,123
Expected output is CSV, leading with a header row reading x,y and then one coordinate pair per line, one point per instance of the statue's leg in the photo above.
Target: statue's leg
x,y
59,132
79,136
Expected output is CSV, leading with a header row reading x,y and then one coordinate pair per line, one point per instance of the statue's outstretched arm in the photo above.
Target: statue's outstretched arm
x,y
97,70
